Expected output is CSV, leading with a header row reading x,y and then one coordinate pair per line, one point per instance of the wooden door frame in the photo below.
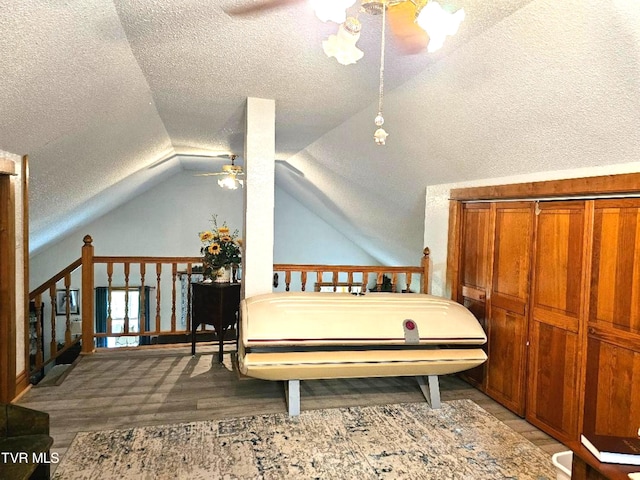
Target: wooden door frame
x,y
7,283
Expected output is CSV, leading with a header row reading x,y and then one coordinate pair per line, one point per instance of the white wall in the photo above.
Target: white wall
x,y
165,220
20,260
303,237
437,209
16,181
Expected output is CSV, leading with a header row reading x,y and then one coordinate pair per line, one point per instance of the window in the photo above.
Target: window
x,y
121,309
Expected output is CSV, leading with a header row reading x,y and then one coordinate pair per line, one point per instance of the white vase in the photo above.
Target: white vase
x,y
223,274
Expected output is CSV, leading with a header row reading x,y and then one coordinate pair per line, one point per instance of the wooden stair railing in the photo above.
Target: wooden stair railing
x,y
136,273
358,274
40,295
132,273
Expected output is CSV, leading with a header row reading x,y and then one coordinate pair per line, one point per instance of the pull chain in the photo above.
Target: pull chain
x,y
380,136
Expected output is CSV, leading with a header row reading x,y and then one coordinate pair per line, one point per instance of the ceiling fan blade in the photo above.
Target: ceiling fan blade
x,y
213,174
407,34
258,7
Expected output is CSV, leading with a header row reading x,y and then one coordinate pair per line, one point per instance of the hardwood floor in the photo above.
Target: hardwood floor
x,y
125,388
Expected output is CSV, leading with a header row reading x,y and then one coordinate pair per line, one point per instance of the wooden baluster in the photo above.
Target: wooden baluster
x,y
318,280
143,295
174,275
39,332
349,281
54,344
158,275
109,289
303,279
379,279
287,280
67,310
334,280
189,270
408,281
394,281
126,297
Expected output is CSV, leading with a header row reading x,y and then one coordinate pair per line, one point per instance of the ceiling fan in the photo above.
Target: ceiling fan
x,y
229,173
415,24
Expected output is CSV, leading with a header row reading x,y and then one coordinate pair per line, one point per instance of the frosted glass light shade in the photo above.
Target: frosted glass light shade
x,y
438,23
380,136
342,45
230,182
331,10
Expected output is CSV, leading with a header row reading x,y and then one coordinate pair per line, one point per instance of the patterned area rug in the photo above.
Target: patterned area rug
x,y
412,441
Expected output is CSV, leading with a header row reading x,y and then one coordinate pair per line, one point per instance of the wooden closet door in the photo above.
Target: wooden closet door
x,y
557,313
475,266
612,404
509,295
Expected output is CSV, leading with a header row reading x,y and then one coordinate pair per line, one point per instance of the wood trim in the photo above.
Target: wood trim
x,y
24,177
285,267
454,239
583,320
22,383
56,278
613,336
103,259
477,294
586,186
7,167
7,291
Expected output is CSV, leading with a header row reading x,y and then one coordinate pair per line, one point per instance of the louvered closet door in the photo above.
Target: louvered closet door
x,y
474,271
612,406
557,312
507,324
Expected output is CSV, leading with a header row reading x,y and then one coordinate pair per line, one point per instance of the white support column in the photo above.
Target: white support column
x,y
432,392
292,391
259,197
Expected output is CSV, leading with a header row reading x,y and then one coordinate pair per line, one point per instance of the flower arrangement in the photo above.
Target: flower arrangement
x,y
220,248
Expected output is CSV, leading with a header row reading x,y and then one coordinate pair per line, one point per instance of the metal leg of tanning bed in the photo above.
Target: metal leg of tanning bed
x,y
292,391
432,391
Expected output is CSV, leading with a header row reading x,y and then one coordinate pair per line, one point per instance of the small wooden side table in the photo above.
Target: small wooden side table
x,y
214,304
587,467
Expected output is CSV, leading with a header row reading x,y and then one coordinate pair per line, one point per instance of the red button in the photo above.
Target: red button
x,y
409,324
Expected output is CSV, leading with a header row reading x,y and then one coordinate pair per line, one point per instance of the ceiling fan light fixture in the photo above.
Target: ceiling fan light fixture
x,y
331,10
230,182
342,46
438,23
380,136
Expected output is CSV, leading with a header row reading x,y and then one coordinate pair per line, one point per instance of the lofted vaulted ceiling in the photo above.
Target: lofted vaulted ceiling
x,y
109,97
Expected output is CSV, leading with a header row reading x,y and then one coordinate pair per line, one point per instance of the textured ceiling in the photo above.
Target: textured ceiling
x,y
105,96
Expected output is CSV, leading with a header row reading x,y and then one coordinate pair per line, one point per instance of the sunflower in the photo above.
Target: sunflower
x,y
206,236
225,238
214,249
223,230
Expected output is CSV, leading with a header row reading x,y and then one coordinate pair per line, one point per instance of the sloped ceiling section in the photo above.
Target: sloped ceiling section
x,y
109,98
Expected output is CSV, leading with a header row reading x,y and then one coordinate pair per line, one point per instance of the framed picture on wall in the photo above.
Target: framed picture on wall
x,y
61,302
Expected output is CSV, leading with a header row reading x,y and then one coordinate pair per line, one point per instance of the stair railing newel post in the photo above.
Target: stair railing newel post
x,y
425,263
88,340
